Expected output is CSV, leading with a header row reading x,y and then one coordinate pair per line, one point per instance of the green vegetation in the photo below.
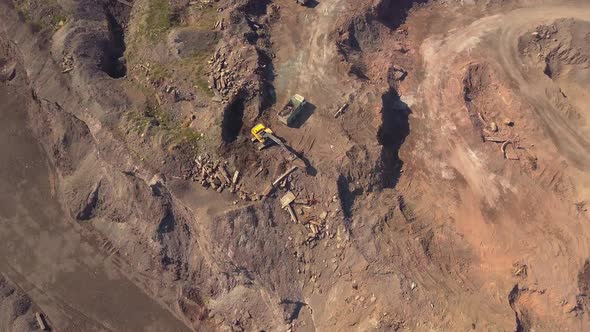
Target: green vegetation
x,y
196,66
58,19
174,134
45,16
155,122
157,19
154,23
187,137
207,18
159,71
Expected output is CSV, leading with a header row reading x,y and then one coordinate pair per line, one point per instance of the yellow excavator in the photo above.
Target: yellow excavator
x,y
265,137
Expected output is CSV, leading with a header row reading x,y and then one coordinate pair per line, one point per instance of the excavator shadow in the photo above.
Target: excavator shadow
x,y
292,308
312,3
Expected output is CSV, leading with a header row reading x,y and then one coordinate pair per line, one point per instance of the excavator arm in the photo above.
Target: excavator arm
x,y
274,139
279,143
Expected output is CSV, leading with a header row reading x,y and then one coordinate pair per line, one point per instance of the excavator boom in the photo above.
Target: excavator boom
x,y
264,135
274,139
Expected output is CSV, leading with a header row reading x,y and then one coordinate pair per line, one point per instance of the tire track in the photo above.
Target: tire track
x,y
504,31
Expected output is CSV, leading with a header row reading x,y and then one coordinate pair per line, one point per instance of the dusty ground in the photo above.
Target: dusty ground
x,y
74,282
450,195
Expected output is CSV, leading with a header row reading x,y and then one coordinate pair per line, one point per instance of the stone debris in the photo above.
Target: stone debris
x,y
340,110
221,78
214,174
493,127
219,25
398,73
7,71
41,321
67,63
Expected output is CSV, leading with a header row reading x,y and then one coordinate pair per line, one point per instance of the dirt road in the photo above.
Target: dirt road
x,y
501,34
78,286
310,66
546,232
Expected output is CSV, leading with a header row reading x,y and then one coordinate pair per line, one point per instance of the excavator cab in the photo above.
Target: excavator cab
x,y
260,133
266,137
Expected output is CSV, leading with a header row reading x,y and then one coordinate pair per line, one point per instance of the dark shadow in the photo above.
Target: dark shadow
x,y
113,62
157,189
583,297
350,44
251,37
523,323
304,114
358,71
167,224
88,212
351,51
232,120
256,8
309,169
176,16
292,309
393,13
312,4
548,70
394,129
267,71
346,196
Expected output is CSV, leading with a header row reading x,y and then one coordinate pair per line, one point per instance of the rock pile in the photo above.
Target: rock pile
x,y
221,78
215,175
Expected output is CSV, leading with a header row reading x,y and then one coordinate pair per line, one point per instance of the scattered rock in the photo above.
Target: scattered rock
x,y
67,63
493,127
397,73
7,71
508,122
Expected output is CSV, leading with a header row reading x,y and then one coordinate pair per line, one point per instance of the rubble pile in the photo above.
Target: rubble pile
x,y
221,78
214,174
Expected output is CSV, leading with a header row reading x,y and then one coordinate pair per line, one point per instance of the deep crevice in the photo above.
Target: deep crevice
x,y
256,8
522,321
346,195
393,13
232,122
583,297
90,205
167,224
113,62
267,72
394,129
